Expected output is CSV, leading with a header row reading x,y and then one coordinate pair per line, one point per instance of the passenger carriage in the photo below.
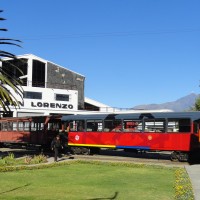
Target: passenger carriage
x,y
37,131
177,132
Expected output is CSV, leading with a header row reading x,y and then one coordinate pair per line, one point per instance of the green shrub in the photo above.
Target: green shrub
x,y
33,167
8,160
38,159
28,160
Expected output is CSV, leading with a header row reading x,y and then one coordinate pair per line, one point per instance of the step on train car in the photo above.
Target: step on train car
x,y
178,132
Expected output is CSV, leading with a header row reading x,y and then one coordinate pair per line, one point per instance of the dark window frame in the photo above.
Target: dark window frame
x,y
38,73
61,97
30,95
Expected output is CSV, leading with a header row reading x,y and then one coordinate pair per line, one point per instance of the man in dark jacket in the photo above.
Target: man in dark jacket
x,y
56,146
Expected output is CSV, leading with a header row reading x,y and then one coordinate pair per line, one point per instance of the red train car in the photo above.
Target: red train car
x,y
29,131
178,132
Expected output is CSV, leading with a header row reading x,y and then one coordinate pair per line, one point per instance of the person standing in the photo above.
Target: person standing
x,y
56,146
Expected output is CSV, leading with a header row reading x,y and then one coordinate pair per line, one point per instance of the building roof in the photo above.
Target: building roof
x,y
102,107
96,103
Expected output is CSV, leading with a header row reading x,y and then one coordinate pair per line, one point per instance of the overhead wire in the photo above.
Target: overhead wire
x,y
108,34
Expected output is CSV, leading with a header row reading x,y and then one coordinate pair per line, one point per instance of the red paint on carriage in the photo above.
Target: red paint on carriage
x,y
152,141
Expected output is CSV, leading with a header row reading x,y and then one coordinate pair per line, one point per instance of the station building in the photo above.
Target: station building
x,y
48,88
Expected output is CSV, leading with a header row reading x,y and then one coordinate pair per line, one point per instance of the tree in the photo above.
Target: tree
x,y
9,82
197,105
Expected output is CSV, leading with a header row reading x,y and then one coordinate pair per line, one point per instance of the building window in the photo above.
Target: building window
x,y
38,74
62,97
16,68
32,95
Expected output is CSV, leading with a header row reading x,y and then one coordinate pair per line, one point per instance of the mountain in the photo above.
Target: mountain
x,y
183,104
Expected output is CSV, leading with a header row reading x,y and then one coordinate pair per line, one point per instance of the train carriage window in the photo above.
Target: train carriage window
x,y
10,126
178,125
14,126
94,125
117,125
37,126
196,127
41,126
4,126
26,126
108,125
78,125
20,126
71,126
113,125
132,125
51,126
154,125
33,126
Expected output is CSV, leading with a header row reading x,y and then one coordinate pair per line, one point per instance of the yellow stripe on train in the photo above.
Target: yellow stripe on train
x,y
92,145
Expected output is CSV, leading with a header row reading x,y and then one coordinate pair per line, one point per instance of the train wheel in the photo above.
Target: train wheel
x,y
85,151
174,156
76,150
183,157
179,156
80,150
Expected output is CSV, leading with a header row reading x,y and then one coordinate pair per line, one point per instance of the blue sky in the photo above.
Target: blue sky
x,y
130,51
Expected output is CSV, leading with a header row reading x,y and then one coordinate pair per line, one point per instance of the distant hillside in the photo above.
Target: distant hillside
x,y
182,104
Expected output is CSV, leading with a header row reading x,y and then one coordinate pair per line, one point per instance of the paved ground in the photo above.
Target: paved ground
x,y
64,158
194,174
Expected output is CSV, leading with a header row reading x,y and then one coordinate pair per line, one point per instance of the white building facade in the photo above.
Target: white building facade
x,y
47,87
47,101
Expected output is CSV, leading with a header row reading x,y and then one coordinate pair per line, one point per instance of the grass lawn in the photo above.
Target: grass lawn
x,y
89,181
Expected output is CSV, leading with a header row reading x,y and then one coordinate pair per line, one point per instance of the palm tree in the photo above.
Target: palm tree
x,y
9,82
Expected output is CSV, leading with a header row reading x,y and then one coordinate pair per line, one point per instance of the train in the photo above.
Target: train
x,y
175,132
29,132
